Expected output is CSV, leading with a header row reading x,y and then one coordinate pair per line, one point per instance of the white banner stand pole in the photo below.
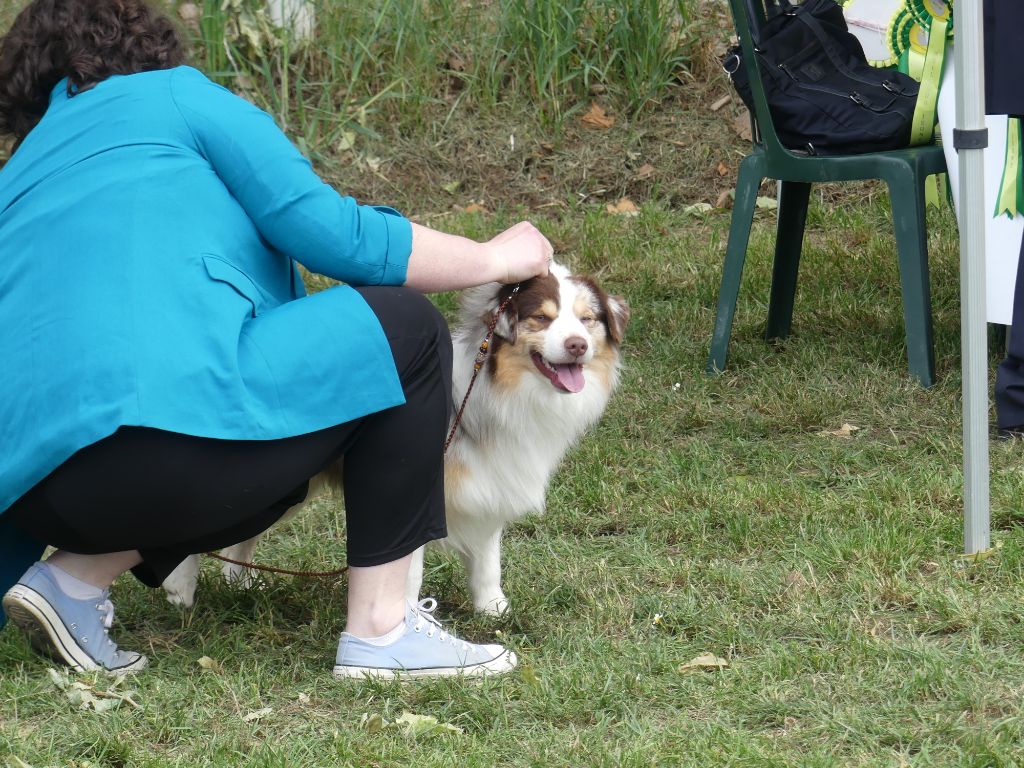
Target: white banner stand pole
x,y
970,139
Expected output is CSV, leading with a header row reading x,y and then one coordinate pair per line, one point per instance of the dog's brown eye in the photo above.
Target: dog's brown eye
x,y
541,318
588,320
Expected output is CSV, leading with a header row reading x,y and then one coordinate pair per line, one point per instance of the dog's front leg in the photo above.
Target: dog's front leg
x,y
181,584
239,574
414,583
483,564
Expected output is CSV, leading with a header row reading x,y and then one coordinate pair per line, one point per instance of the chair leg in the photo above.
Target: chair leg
x,y
747,184
908,213
789,240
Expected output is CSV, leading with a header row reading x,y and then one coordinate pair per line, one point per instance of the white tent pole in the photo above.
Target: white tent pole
x,y
970,122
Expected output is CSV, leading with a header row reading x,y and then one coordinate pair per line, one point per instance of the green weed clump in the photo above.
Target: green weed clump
x,y
410,63
726,516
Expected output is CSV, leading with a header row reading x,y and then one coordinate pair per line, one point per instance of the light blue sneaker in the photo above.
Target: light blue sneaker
x,y
69,630
425,650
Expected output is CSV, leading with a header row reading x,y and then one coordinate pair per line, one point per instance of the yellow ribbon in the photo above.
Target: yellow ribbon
x,y
923,127
1011,187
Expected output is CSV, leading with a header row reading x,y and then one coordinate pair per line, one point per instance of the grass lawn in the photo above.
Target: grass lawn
x,y
703,515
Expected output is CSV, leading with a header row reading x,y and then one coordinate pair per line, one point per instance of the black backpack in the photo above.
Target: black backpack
x,y
824,97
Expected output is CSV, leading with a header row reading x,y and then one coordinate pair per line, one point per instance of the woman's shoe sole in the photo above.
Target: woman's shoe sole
x,y
497,666
34,615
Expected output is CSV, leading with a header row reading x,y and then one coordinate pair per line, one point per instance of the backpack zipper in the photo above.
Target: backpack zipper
x,y
855,97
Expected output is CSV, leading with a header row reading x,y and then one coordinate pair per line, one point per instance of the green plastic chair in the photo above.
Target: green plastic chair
x,y
904,170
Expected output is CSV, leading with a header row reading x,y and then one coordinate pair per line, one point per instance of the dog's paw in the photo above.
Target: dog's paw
x,y
180,585
238,576
496,606
181,599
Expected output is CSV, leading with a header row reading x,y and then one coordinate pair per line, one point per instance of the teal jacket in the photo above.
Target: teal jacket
x,y
150,229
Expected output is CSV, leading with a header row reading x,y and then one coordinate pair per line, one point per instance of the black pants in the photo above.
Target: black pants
x,y
170,495
1010,375
1004,95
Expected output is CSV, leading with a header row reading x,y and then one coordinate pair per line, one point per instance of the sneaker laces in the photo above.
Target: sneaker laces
x,y
107,609
425,618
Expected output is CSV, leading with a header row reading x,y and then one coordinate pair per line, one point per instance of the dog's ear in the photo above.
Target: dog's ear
x,y
508,322
616,312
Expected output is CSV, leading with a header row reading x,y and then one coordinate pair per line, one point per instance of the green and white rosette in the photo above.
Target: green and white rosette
x,y
917,35
917,38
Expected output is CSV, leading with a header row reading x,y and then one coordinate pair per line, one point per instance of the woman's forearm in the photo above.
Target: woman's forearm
x,y
443,262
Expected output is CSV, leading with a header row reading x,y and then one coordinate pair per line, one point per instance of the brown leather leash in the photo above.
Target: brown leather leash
x,y
285,571
478,364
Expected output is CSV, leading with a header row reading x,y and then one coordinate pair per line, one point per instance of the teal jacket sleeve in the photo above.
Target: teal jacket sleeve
x,y
293,209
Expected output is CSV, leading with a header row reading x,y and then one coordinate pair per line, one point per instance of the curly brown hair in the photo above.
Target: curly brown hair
x,y
85,41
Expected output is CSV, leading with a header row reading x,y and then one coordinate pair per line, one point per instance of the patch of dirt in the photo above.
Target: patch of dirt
x,y
681,151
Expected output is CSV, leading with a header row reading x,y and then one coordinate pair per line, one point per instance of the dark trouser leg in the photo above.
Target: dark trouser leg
x,y
166,495
394,472
1010,375
169,495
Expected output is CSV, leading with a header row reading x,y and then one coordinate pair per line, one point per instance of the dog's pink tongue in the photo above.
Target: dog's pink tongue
x,y
570,376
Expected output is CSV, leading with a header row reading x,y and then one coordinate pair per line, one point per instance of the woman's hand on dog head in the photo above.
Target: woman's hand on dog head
x,y
522,252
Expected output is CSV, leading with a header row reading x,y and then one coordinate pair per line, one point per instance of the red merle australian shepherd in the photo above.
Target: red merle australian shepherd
x,y
553,364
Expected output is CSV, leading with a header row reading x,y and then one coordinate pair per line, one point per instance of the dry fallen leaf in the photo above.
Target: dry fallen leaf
x,y
625,207
456,63
766,203
742,125
189,13
475,208
529,674
85,696
373,723
846,430
645,171
698,209
597,118
724,199
207,663
721,103
423,725
304,698
409,724
346,142
259,714
704,661
722,168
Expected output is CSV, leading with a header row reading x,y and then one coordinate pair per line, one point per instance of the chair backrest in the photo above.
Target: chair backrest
x,y
749,17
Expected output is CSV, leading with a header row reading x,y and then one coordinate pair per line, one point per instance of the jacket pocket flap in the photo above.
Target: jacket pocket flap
x,y
226,272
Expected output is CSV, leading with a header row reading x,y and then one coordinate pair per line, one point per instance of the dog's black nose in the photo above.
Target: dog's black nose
x,y
576,346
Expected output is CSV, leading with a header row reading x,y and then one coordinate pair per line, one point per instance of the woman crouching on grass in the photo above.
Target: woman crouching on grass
x,y
168,387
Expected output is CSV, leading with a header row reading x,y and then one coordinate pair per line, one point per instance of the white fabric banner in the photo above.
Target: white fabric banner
x,y
1002,234
869,22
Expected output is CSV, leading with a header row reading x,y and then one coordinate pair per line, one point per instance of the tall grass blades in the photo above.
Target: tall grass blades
x,y
543,39
410,64
646,43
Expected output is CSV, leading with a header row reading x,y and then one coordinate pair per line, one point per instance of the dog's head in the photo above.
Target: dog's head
x,y
556,327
